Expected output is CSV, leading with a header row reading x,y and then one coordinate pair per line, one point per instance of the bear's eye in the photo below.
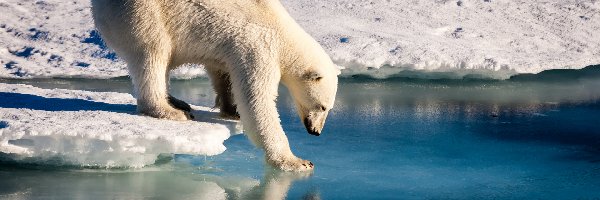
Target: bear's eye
x,y
313,76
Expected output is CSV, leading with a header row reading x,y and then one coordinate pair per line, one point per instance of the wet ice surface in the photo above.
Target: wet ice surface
x,y
406,139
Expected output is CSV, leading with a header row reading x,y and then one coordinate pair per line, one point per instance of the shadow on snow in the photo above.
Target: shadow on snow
x,y
28,101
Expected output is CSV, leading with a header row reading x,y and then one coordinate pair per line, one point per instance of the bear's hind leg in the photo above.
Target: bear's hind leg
x,y
175,102
149,76
224,100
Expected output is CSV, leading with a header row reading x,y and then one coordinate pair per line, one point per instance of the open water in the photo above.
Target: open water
x,y
399,138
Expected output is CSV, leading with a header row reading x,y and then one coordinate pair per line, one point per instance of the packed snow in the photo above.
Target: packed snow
x,y
492,38
99,129
451,38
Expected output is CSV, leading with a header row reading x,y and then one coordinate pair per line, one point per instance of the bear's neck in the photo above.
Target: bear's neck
x,y
299,51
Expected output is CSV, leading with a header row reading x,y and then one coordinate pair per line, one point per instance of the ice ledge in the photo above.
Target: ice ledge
x,y
98,129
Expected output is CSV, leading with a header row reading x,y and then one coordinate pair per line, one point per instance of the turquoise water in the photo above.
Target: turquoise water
x,y
385,139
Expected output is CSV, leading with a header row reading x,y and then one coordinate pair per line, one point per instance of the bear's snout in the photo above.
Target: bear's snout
x,y
310,128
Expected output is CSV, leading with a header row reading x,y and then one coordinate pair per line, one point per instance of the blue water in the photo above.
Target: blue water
x,y
392,139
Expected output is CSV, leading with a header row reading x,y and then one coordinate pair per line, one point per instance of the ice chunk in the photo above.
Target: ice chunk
x,y
99,129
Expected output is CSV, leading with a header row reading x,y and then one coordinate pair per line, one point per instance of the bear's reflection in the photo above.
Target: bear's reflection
x,y
276,184
19,183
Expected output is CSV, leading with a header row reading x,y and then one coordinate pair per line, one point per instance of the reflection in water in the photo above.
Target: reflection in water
x,y
152,183
65,184
430,100
276,184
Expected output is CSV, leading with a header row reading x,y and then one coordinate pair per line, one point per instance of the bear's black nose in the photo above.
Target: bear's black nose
x,y
314,132
311,130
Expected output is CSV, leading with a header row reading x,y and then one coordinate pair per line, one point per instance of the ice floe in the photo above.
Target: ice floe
x,y
99,129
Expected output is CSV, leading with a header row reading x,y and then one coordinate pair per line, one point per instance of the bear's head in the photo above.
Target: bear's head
x,y
313,86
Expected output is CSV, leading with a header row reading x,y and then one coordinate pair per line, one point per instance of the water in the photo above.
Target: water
x,y
400,139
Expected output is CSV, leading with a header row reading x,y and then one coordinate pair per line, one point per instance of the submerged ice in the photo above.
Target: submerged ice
x,y
98,129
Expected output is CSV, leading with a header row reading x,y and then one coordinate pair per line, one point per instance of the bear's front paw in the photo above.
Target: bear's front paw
x,y
169,113
293,164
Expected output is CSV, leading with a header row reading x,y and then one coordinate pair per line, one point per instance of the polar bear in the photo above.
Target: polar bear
x,y
247,47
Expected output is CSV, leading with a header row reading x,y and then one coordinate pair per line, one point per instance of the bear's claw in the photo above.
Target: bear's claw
x,y
169,113
179,104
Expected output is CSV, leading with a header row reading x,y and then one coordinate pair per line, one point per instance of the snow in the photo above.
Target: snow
x,y
494,38
99,129
57,39
52,39
448,38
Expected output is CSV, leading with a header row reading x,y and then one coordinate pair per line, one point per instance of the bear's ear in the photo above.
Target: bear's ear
x,y
312,76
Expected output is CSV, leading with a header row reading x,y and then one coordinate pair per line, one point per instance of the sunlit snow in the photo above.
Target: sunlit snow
x,y
452,39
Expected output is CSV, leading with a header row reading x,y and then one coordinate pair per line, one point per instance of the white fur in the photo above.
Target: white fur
x,y
248,47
